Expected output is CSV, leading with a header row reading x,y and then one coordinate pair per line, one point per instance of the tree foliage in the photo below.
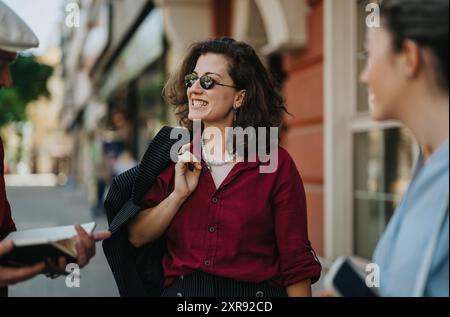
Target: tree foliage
x,y
30,83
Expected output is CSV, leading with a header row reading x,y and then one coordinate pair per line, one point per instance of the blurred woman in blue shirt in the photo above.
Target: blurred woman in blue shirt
x,y
407,75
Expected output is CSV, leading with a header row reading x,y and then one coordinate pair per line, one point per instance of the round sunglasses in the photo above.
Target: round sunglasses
x,y
206,82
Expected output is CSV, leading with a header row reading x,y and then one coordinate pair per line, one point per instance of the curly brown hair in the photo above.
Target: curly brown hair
x,y
263,105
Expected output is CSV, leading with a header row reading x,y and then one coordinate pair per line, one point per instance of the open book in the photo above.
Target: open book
x,y
36,245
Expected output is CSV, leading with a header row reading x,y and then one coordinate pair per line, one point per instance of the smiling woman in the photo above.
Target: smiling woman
x,y
232,231
235,64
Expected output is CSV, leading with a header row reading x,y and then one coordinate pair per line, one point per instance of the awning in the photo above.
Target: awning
x,y
145,47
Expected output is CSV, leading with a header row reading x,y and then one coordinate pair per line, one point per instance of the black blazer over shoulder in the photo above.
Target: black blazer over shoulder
x,y
138,272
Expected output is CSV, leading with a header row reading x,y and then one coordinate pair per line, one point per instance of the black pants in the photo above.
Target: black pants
x,y
200,284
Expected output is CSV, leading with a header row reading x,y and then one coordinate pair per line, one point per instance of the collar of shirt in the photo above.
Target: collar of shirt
x,y
196,149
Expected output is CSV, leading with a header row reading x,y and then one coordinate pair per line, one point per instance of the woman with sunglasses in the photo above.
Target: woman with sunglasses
x,y
231,230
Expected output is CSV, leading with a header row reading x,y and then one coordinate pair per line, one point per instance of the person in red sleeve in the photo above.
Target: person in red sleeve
x,y
232,230
6,223
15,36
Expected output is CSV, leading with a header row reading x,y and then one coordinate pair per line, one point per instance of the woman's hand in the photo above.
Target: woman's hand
x,y
300,289
326,294
85,246
186,181
10,276
150,224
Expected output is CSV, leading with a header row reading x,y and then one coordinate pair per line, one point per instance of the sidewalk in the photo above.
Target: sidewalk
x,y
52,206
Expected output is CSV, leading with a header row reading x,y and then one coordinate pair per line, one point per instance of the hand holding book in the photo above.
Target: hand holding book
x,y
10,276
31,252
85,244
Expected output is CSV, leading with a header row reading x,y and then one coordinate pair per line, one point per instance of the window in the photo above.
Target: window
x,y
382,165
383,156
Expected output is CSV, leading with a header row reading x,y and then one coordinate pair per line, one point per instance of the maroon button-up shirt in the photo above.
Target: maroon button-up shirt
x,y
6,222
253,228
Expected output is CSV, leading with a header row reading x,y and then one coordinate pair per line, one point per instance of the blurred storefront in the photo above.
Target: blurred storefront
x,y
115,69
38,145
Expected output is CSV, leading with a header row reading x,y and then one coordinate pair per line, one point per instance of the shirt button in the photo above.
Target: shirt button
x,y
214,200
212,229
207,263
259,294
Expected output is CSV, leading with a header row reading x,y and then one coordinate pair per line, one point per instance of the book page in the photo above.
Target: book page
x,y
67,246
46,235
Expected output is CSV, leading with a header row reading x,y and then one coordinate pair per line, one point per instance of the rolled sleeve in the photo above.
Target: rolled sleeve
x,y
297,258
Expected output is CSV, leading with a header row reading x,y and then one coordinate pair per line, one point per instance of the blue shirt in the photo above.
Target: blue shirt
x,y
421,217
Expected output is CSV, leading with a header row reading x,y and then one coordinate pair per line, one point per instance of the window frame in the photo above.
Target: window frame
x,y
342,122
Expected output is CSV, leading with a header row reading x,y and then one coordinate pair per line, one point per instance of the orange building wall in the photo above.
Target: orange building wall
x,y
222,18
304,140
